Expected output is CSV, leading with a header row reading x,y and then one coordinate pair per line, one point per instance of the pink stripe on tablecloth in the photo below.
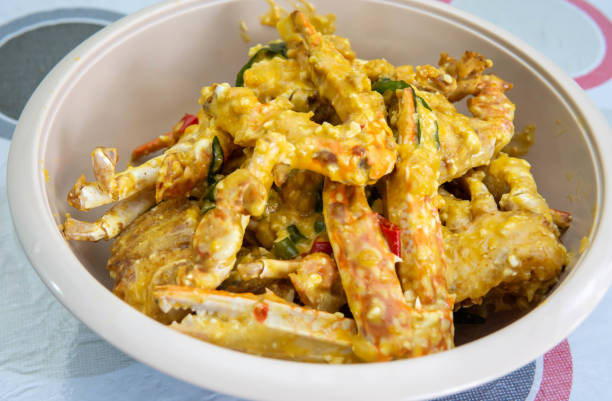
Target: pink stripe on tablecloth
x,y
603,71
557,374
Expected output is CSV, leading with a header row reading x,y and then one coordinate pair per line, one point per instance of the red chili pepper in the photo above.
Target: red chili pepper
x,y
260,311
322,246
188,119
392,234
390,231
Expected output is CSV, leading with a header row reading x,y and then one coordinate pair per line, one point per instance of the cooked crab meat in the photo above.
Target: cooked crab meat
x,y
154,250
388,326
347,153
468,142
314,277
465,142
263,325
514,252
423,77
276,77
466,71
240,195
358,152
514,249
510,181
188,162
411,189
318,284
173,174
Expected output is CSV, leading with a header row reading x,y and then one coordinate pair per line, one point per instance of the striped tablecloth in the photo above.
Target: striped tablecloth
x,y
47,354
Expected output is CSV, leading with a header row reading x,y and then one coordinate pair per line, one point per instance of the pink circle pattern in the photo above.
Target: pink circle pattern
x,y
602,72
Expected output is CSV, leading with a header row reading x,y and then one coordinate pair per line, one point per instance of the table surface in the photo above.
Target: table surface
x,y
46,353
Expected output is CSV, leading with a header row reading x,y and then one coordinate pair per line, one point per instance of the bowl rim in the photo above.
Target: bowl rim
x,y
260,378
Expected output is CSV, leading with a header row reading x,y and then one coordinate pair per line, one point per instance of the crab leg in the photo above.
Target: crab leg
x,y
126,183
367,271
175,172
263,325
86,195
169,138
347,88
112,222
267,268
481,200
511,181
465,142
411,189
112,187
512,252
314,276
161,142
188,162
454,213
467,72
454,79
562,219
493,111
515,250
240,195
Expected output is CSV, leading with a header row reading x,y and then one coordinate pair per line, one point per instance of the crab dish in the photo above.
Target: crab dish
x,y
327,208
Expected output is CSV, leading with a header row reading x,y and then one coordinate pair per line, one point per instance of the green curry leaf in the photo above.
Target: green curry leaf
x,y
270,50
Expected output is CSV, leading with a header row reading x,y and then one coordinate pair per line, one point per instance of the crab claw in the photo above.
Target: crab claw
x,y
261,324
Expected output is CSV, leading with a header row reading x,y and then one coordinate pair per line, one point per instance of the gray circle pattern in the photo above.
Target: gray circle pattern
x,y
29,48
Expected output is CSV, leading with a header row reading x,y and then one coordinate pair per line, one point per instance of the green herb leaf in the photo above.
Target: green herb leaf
x,y
295,234
285,249
208,205
216,160
210,191
319,226
278,48
437,136
271,50
416,99
385,84
423,102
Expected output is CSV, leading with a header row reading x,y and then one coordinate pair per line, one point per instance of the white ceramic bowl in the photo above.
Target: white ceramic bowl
x,y
132,79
